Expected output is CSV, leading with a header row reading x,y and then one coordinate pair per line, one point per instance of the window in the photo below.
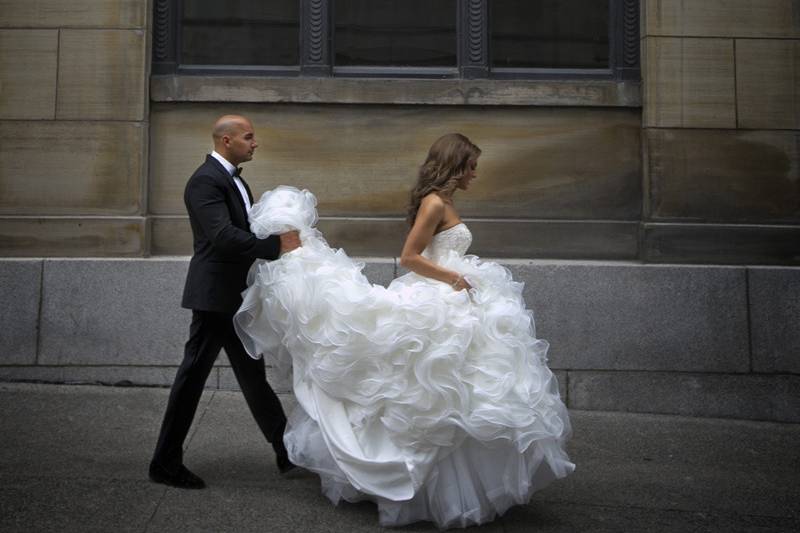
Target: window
x,y
549,34
406,38
391,33
239,32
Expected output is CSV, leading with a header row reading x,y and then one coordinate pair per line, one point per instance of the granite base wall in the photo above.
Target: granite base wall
x,y
712,341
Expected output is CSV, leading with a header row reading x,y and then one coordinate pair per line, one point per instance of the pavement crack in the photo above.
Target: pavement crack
x,y
200,419
155,510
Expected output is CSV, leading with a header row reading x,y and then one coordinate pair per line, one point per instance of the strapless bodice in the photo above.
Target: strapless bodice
x,y
457,238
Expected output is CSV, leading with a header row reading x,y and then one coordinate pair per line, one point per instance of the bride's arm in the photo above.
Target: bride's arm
x,y
430,214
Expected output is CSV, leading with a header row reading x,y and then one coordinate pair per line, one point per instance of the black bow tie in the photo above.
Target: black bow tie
x,y
237,173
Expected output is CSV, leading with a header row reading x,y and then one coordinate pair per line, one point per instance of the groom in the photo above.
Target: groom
x,y
217,200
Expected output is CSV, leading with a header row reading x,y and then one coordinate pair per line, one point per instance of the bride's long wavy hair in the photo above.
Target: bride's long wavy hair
x,y
447,161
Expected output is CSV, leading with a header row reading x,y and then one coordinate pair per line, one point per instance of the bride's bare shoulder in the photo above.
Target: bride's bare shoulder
x,y
432,201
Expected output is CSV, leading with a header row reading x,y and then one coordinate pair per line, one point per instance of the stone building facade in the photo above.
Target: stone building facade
x,y
720,126
654,220
74,127
698,163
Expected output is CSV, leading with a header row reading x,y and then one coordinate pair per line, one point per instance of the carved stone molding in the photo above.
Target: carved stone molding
x,y
630,33
164,36
315,28
474,25
626,42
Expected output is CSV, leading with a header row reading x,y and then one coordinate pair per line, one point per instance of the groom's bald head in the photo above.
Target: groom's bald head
x,y
234,138
229,125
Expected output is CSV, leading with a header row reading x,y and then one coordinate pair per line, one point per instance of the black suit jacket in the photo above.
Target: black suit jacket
x,y
224,248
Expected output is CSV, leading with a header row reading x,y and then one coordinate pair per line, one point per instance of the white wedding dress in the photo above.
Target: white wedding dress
x,y
436,404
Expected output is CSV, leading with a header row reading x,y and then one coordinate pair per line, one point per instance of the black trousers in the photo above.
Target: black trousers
x,y
209,333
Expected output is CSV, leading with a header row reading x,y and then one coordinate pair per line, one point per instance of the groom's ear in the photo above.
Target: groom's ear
x,y
226,139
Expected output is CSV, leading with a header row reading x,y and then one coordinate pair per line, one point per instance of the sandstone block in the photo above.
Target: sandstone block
x,y
102,75
689,83
406,91
170,235
71,237
768,83
722,18
721,244
75,13
72,168
723,176
567,239
363,161
28,70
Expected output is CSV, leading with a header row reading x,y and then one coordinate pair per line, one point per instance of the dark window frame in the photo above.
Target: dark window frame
x,y
316,48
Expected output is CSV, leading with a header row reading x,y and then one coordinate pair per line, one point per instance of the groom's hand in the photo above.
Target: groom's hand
x,y
289,241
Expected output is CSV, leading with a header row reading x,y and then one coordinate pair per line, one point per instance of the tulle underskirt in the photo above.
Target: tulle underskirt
x,y
469,485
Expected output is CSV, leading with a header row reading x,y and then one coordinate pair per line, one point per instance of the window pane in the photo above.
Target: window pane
x,y
402,33
240,32
549,33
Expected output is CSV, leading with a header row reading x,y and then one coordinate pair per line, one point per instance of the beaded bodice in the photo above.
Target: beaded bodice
x,y
456,238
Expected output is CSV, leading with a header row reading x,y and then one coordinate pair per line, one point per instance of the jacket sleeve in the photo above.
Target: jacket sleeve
x,y
205,199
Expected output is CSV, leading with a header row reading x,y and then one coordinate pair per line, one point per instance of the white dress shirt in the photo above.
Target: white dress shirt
x,y
231,169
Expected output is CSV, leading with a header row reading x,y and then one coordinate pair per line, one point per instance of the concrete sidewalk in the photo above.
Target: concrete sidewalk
x,y
74,458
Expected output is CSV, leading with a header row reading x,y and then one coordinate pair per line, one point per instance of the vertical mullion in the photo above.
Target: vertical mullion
x,y
315,37
473,38
627,38
625,51
166,51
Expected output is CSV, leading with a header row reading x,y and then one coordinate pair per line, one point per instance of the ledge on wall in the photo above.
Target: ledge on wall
x,y
211,88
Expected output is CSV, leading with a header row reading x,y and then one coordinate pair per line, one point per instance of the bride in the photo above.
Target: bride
x,y
431,397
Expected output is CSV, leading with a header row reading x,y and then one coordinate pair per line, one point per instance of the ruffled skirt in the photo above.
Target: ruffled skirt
x,y
438,405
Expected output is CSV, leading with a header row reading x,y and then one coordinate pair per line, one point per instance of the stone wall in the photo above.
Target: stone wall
x,y
702,165
688,340
721,120
553,182
73,127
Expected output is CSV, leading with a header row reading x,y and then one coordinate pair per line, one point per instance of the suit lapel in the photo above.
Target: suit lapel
x,y
232,188
247,188
238,196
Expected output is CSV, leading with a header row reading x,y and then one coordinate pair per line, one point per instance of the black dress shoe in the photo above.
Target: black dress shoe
x,y
183,479
284,464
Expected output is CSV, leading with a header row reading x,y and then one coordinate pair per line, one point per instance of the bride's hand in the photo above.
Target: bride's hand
x,y
460,284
